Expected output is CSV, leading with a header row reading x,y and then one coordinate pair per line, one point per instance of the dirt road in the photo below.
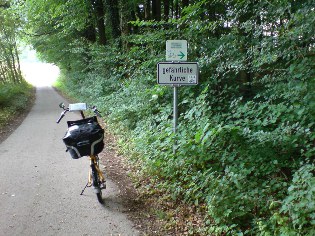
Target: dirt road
x,y
40,184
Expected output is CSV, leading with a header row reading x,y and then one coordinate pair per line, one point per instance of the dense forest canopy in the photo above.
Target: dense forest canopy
x,y
246,132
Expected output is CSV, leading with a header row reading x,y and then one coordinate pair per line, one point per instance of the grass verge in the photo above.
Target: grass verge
x,y
14,100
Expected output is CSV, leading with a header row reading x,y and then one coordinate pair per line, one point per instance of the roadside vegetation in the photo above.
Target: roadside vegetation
x,y
14,100
246,143
15,93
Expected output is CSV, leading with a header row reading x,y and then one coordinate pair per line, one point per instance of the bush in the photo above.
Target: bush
x,y
14,98
245,140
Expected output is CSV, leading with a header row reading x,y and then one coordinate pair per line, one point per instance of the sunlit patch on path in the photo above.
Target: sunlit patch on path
x,y
39,74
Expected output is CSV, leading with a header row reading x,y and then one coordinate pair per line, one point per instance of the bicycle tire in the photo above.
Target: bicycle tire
x,y
97,185
99,197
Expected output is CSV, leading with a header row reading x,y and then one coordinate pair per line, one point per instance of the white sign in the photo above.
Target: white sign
x,y
176,50
182,73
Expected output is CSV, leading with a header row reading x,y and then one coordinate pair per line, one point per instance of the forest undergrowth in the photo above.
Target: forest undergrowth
x,y
245,139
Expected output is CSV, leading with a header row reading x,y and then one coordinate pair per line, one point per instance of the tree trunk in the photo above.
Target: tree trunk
x,y
156,10
18,62
166,9
100,22
185,3
147,10
16,76
89,32
9,67
2,73
245,47
176,9
125,17
113,11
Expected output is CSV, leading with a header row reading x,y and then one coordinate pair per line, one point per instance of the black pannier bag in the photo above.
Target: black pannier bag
x,y
84,137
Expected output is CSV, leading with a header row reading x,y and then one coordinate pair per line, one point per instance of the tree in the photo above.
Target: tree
x,y
246,132
156,10
9,59
113,13
147,9
100,22
166,4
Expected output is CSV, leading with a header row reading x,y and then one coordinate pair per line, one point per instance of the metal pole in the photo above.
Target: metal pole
x,y
175,114
175,108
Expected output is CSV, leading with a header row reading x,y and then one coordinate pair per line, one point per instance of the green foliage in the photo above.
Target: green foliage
x,y
13,99
299,205
9,60
245,140
295,214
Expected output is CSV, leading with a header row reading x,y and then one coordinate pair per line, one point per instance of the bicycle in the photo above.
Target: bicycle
x,y
84,137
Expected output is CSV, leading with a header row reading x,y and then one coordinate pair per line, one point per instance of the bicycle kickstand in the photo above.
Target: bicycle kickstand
x,y
87,185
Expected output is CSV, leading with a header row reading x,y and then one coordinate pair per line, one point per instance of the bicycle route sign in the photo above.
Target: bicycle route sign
x,y
176,71
176,50
181,73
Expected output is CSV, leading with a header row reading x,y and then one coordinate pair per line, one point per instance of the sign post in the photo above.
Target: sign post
x,y
175,107
176,72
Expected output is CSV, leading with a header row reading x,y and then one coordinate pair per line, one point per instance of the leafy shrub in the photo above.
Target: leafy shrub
x,y
13,99
245,140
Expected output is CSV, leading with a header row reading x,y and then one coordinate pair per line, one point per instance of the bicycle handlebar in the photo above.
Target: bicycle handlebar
x,y
61,116
93,108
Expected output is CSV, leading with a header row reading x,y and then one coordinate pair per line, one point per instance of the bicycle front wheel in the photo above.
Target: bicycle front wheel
x,y
97,185
99,197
